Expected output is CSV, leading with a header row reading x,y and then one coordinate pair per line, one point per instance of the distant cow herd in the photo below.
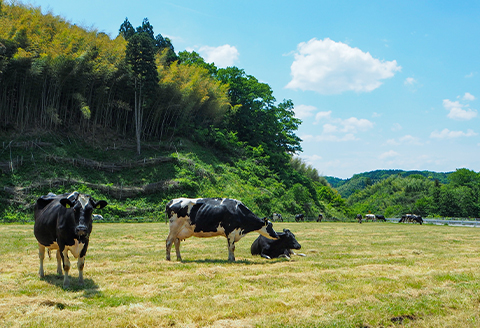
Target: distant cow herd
x,y
64,223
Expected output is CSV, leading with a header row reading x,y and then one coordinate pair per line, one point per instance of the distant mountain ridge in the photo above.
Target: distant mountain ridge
x,y
360,181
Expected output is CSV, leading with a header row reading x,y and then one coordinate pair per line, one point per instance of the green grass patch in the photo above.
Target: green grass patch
x,y
369,275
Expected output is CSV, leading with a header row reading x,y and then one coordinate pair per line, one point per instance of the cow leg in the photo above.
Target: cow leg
x,y
66,265
59,263
177,249
41,256
80,265
231,250
172,238
265,256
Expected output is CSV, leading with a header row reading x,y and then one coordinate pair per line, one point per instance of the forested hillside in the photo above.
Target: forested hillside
x,y
360,181
418,194
131,121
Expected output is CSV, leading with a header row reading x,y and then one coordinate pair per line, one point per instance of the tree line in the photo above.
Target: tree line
x,y
459,196
56,75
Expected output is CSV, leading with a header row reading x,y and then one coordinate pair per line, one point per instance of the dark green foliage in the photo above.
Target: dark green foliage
x,y
414,193
360,181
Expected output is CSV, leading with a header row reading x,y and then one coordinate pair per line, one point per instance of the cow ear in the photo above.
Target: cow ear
x,y
285,230
100,204
65,202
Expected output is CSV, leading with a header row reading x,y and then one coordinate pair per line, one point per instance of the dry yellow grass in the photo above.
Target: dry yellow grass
x,y
368,275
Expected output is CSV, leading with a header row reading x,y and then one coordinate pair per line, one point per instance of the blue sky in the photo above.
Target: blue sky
x,y
378,84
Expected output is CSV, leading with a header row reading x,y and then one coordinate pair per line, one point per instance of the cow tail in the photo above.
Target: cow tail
x,y
49,254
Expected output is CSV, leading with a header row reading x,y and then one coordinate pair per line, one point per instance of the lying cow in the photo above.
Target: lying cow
x,y
282,247
299,217
209,217
64,222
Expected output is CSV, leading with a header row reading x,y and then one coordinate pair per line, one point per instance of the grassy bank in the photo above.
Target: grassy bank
x,y
369,275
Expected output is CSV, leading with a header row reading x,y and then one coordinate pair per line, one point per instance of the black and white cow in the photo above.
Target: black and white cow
x,y
277,217
370,217
299,217
282,247
209,217
64,222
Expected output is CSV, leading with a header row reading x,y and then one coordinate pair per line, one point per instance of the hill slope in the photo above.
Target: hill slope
x,y
108,168
347,187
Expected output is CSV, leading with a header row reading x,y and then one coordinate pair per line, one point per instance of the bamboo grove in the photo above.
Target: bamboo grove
x,y
56,75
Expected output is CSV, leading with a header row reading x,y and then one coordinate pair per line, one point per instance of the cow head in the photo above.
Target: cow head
x,y
289,239
267,230
83,207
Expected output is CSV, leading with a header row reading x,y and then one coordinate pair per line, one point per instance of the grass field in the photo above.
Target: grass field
x,y
368,275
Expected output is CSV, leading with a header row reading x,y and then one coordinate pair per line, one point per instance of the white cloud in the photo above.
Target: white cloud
x,y
468,96
447,134
330,67
322,115
396,127
337,129
388,154
330,138
304,111
458,111
406,139
354,125
410,81
329,128
222,56
312,159
472,74
392,142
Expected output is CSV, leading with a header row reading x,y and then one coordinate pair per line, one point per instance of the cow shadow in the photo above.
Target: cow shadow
x,y
89,287
237,262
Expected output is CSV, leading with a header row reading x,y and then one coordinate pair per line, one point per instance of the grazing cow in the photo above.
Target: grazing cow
x,y
417,219
381,218
299,217
359,218
64,222
208,217
320,217
282,247
411,218
277,217
369,217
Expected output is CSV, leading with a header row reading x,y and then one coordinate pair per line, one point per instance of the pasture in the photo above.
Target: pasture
x,y
354,275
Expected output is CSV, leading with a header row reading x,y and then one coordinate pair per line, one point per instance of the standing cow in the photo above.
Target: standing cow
x,y
381,218
277,217
282,247
359,218
209,217
370,217
299,217
320,217
64,222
